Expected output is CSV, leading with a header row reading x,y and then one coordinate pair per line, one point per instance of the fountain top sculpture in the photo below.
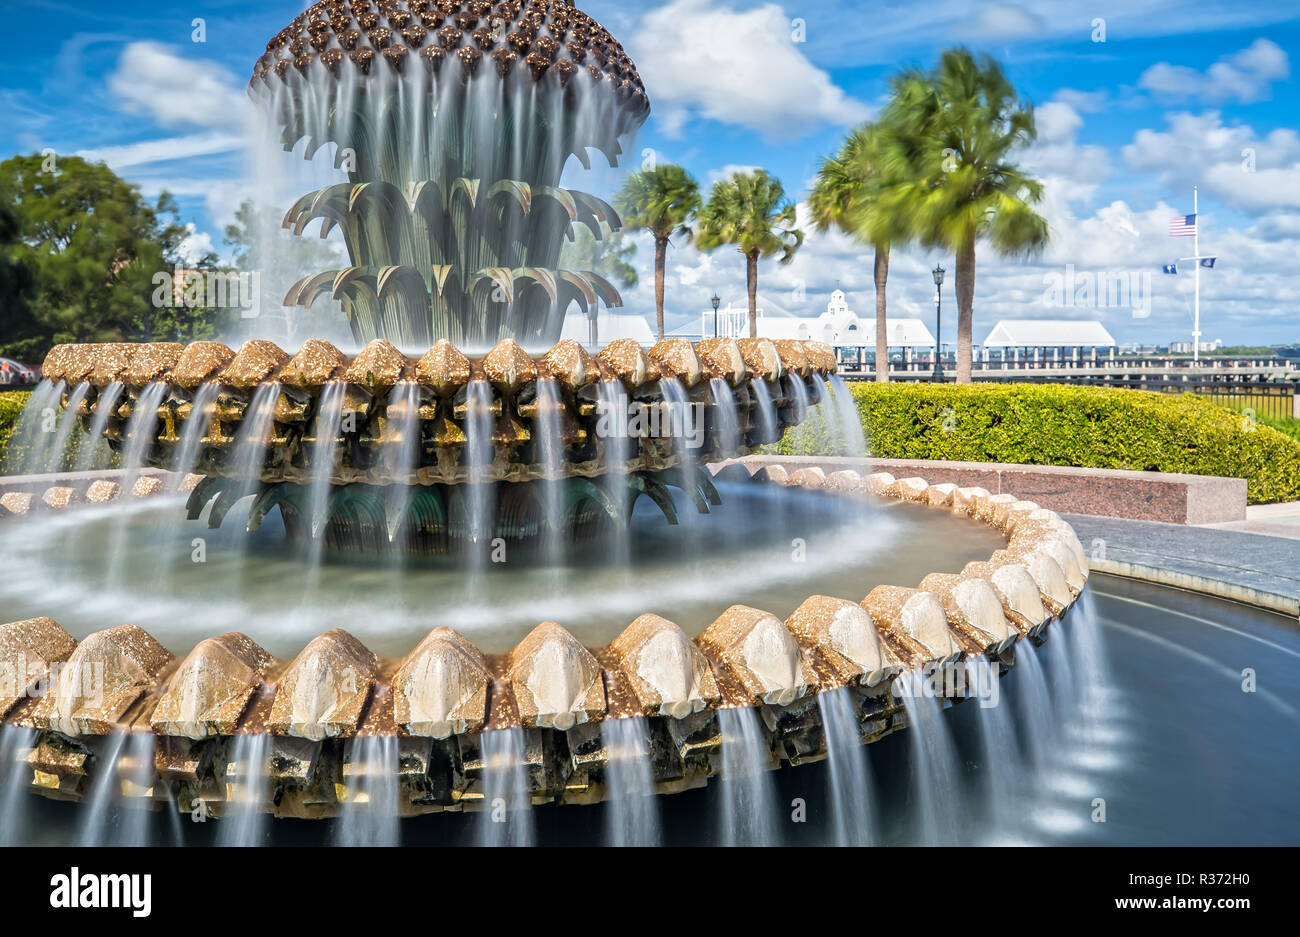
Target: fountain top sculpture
x,y
541,39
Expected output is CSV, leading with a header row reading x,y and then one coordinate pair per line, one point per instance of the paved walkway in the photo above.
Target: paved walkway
x,y
1270,520
1260,568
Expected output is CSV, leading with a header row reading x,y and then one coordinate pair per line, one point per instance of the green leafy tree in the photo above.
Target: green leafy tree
x,y
956,127
750,210
90,245
851,194
662,200
17,284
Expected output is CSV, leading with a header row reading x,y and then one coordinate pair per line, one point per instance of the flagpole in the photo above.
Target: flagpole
x,y
1196,249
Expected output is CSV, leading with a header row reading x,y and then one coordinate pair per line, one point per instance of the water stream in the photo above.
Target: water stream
x,y
746,796
507,815
632,813
369,817
852,798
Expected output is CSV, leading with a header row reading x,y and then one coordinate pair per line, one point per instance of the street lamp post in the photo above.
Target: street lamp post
x,y
938,320
715,302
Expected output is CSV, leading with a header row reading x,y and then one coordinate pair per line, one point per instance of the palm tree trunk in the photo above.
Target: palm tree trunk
x,y
751,284
882,334
965,287
661,257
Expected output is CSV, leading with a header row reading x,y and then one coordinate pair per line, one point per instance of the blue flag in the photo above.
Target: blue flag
x,y
1208,262
1170,268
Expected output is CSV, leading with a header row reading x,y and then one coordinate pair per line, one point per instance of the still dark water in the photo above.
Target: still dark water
x,y
1166,741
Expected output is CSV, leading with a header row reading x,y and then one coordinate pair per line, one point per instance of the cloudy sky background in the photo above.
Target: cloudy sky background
x,y
1178,93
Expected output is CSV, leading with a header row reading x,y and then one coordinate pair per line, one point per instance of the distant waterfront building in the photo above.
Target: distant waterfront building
x,y
1185,348
838,326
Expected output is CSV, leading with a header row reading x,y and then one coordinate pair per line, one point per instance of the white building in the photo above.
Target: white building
x,y
838,326
1046,341
1049,333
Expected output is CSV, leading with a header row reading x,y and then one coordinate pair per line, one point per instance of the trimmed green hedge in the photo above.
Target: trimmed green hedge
x,y
1059,424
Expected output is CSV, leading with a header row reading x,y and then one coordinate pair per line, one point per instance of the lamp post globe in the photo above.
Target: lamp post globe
x,y
715,300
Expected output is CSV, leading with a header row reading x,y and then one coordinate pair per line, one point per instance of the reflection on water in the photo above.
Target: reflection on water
x,y
766,547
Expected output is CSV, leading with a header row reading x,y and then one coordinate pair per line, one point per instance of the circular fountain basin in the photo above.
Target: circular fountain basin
x,y
1178,752
769,547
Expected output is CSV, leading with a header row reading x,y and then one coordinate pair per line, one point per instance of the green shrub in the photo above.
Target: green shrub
x,y
1059,424
13,456
11,407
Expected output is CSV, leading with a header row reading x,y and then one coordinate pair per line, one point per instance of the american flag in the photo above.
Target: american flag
x,y
1183,226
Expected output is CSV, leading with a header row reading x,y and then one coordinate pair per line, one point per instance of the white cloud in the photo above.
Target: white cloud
x,y
1244,76
195,245
1247,172
152,79
726,172
1070,170
1086,102
738,67
1002,21
160,151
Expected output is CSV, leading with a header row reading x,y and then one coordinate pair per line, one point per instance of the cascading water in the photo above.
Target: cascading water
x,y
105,792
746,789
632,814
254,434
550,452
402,454
94,445
39,412
849,773
15,776
619,447
1087,653
369,816
727,423
245,821
138,775
674,395
478,458
507,815
800,393
473,255
140,432
852,440
141,429
196,427
766,409
53,457
329,418
1035,705
1000,755
934,756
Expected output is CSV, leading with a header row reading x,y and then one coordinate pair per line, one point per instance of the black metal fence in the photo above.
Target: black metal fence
x,y
1273,399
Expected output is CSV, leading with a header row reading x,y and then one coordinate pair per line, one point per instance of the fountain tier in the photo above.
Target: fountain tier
x,y
609,411
440,699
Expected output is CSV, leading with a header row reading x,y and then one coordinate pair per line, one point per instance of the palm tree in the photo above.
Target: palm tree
x,y
662,200
850,194
957,126
751,211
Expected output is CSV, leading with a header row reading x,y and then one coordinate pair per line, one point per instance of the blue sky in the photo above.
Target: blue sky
x,y
1176,94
